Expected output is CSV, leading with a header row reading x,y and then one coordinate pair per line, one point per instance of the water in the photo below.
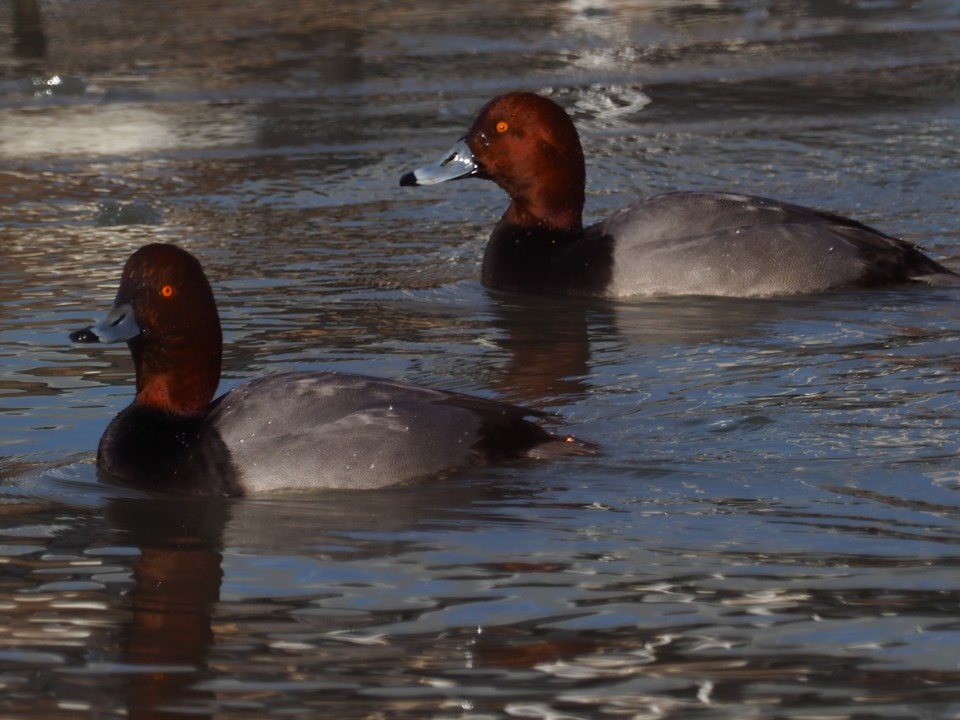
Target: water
x,y
771,528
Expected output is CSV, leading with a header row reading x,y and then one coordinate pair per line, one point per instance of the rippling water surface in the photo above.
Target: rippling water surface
x,y
771,530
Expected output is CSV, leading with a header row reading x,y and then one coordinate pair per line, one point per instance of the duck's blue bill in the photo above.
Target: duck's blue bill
x,y
456,164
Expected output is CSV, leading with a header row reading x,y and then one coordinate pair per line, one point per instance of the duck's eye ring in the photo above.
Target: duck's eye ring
x,y
502,126
167,291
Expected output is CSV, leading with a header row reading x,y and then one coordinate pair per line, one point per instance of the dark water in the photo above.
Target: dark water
x,y
771,530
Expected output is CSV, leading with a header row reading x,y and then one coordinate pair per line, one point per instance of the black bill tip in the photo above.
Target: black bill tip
x,y
408,180
87,335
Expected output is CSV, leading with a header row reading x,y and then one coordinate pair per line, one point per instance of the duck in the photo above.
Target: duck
x,y
675,243
295,430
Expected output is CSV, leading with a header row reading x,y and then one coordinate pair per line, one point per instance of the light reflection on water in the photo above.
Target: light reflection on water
x,y
770,529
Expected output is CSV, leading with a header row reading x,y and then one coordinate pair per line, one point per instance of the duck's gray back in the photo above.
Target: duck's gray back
x,y
326,429
738,245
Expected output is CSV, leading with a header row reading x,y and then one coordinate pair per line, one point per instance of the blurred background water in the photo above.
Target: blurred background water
x,y
771,528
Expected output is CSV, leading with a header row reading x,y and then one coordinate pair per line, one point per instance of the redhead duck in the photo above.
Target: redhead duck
x,y
290,430
678,243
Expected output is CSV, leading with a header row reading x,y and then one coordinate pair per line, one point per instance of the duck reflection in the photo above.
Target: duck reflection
x,y
547,346
555,345
178,576
176,588
29,39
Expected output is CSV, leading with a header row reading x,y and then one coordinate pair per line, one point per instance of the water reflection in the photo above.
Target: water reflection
x,y
176,586
29,39
122,624
505,592
551,345
165,643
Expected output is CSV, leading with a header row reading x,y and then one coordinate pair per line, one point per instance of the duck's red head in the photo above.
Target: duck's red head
x,y
528,145
166,313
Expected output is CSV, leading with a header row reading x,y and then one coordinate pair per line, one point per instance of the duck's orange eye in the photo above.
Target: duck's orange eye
x,y
167,291
502,126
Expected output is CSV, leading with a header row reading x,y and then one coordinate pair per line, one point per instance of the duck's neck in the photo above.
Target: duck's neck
x,y
565,216
179,387
554,202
